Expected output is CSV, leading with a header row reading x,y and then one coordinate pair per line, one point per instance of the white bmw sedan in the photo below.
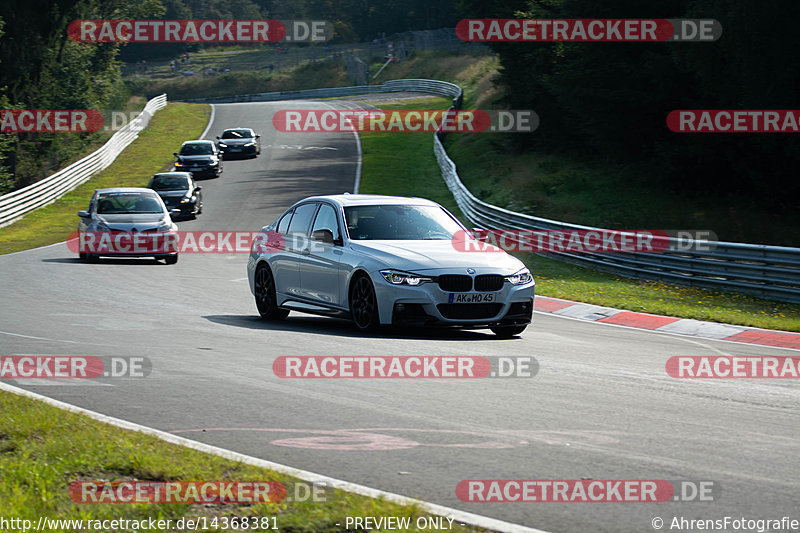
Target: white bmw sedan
x,y
386,260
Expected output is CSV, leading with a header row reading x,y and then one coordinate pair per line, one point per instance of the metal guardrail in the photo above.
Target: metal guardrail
x,y
17,203
441,88
332,92
767,271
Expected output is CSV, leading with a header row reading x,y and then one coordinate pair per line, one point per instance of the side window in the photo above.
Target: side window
x,y
283,225
326,219
302,218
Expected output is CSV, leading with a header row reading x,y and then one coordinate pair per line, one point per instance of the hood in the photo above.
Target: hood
x,y
127,222
196,158
419,256
174,194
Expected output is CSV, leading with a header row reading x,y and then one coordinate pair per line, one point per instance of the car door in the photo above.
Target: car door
x,y
83,223
282,261
320,260
196,191
286,261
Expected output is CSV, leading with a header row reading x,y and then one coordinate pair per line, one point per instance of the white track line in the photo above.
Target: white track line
x,y
357,182
210,122
32,249
460,516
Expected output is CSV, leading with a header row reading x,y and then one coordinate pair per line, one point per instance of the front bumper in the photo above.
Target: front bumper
x,y
127,244
200,172
428,304
186,208
234,151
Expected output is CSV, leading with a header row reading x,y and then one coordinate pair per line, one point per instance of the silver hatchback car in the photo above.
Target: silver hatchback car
x,y
128,222
385,260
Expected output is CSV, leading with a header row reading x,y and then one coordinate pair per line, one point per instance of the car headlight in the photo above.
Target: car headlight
x,y
213,163
400,278
164,226
223,145
250,144
101,226
186,200
520,278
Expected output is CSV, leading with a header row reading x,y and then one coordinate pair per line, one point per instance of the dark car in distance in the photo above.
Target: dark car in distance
x,y
201,158
179,191
239,142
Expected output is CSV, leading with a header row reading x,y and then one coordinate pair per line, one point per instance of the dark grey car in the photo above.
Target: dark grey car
x,y
236,142
179,191
201,158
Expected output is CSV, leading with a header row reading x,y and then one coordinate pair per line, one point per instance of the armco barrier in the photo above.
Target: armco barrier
x,y
768,271
16,204
440,88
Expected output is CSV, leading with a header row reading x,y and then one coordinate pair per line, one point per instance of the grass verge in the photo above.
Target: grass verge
x,y
43,449
150,153
403,164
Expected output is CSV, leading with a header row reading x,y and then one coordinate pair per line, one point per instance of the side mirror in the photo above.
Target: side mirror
x,y
174,212
84,214
258,136
175,154
217,136
198,188
323,235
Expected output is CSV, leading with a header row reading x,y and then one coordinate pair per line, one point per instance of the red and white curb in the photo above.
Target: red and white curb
x,y
668,324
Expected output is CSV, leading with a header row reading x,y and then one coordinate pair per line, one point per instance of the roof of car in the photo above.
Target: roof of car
x,y
125,189
346,200
199,141
237,128
181,174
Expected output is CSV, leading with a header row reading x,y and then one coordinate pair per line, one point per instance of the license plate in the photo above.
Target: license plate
x,y
470,297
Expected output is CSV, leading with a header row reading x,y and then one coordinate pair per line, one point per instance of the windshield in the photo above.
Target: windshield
x,y
170,183
237,134
399,222
196,149
127,203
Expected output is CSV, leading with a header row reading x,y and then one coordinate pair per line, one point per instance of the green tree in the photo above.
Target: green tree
x,y
44,69
610,100
6,143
